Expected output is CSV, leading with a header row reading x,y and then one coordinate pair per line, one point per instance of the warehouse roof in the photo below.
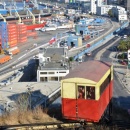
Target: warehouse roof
x,y
92,70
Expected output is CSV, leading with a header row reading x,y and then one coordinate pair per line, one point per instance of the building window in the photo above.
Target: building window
x,y
81,92
62,72
90,92
43,79
43,72
53,78
51,72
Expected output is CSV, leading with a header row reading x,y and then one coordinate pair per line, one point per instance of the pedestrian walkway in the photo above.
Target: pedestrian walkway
x,y
122,72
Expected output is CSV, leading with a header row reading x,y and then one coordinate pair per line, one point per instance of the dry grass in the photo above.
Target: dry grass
x,y
26,117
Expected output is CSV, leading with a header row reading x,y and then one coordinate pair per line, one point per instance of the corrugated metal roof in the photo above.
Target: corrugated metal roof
x,y
92,70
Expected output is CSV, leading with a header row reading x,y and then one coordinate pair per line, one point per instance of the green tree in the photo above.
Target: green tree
x,y
128,43
122,45
71,59
110,13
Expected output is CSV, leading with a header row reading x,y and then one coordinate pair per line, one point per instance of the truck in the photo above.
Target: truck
x,y
4,58
13,51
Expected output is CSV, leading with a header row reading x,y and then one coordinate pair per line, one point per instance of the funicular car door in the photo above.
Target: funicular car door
x,y
69,99
80,100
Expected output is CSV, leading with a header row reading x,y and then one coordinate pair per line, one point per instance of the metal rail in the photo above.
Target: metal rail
x,y
3,18
115,125
19,21
42,126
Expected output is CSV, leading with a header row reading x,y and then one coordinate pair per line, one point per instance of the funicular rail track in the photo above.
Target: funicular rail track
x,y
115,125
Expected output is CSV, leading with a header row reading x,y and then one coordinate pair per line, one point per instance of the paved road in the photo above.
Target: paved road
x,y
120,94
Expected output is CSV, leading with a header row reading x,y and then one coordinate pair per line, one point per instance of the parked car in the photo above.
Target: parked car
x,y
89,53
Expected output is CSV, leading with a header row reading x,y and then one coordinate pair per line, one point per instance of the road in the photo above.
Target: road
x,y
120,94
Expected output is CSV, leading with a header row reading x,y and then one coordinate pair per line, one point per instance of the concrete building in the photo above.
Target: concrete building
x,y
103,10
93,6
53,65
127,4
74,41
120,13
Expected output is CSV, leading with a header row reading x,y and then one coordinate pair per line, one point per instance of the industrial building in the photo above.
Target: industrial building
x,y
53,64
74,41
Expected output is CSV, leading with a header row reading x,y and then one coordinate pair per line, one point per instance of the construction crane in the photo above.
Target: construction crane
x,y
1,50
2,17
33,17
20,20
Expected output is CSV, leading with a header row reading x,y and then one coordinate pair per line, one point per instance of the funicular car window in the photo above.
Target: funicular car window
x,y
90,92
81,92
105,84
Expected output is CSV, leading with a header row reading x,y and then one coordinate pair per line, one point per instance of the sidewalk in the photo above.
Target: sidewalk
x,y
121,72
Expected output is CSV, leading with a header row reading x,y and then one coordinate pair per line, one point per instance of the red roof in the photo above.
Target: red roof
x,y
92,70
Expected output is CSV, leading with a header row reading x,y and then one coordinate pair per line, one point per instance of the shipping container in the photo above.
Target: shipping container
x,y
31,34
12,41
22,41
12,33
13,51
4,59
12,45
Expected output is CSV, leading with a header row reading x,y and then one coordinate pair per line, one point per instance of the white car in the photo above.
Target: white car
x,y
125,36
49,28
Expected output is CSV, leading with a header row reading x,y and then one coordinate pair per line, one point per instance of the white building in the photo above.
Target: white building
x,y
93,6
103,10
119,12
95,3
52,64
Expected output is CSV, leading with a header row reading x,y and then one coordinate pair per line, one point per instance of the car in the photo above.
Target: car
x,y
123,63
49,28
89,54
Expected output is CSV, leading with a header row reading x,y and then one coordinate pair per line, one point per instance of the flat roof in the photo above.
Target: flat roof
x,y
92,70
53,66
39,90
